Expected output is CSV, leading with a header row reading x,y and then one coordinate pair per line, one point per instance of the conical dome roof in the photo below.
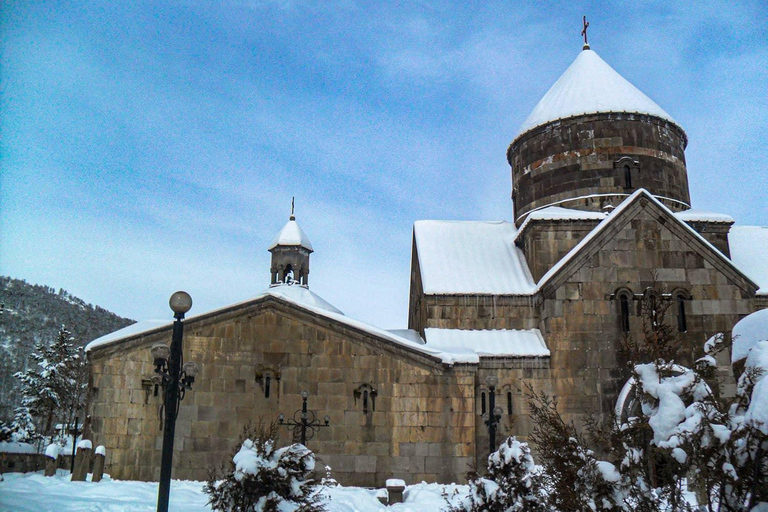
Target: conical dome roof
x,y
291,234
590,86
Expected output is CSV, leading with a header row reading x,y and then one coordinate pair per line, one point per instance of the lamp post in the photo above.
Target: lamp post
x,y
175,380
75,432
494,414
304,420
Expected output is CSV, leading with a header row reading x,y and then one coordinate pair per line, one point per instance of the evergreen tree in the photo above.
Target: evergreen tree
x,y
54,388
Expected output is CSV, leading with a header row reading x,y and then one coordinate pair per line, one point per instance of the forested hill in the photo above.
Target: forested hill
x,y
31,313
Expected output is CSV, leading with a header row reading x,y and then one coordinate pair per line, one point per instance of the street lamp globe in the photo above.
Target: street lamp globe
x,y
180,303
304,394
492,381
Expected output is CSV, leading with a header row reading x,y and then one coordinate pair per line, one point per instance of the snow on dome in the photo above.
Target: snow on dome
x,y
291,234
471,257
488,343
590,86
749,245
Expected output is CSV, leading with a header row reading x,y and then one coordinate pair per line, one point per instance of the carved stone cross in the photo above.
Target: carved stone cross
x,y
584,31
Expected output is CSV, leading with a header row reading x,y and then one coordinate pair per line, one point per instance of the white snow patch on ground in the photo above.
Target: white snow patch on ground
x,y
32,492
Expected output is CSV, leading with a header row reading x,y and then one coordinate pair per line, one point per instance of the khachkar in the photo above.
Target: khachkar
x,y
592,140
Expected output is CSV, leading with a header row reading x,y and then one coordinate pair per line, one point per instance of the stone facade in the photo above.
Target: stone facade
x,y
583,279
581,163
421,425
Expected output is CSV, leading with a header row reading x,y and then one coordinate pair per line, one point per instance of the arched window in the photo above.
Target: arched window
x,y
368,395
288,275
482,403
265,376
681,296
624,304
509,402
627,177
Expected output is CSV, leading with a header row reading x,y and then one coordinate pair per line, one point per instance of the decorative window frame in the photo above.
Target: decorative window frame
x,y
627,168
265,376
367,394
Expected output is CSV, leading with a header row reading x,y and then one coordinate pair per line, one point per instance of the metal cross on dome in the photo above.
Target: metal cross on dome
x,y
584,31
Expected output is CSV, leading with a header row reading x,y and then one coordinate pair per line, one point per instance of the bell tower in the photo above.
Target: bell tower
x,y
290,255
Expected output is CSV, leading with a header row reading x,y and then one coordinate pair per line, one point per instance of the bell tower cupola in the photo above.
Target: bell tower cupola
x,y
290,255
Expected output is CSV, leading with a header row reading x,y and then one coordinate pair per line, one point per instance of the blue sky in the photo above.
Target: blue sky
x,y
147,147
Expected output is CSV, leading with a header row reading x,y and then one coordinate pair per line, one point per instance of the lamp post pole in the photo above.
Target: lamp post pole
x,y
180,303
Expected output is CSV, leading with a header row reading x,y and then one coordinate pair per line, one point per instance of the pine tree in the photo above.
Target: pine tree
x,y
54,388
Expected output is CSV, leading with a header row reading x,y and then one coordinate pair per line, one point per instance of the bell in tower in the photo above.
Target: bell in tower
x,y
290,255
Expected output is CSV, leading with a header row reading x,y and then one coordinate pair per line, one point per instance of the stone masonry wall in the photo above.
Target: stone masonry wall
x,y
480,312
581,321
545,242
421,427
578,156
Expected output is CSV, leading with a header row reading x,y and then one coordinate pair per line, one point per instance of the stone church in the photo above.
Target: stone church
x,y
602,219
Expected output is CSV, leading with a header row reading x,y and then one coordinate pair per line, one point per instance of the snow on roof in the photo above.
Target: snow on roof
x,y
141,327
410,334
693,215
749,247
470,345
589,86
560,213
458,257
304,298
607,221
747,333
291,234
302,295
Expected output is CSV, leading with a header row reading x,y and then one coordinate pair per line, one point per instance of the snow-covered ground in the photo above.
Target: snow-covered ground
x,y
32,492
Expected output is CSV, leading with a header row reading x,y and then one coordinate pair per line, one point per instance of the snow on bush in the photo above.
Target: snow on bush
x,y
512,484
265,478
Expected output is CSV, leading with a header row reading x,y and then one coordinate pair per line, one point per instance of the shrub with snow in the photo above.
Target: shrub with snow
x,y
513,483
265,478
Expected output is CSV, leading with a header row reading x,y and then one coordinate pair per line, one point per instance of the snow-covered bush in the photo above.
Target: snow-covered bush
x,y
265,478
513,483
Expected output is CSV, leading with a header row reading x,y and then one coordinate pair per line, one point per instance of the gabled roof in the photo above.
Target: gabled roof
x,y
474,344
749,252
297,296
601,234
471,257
590,86
291,234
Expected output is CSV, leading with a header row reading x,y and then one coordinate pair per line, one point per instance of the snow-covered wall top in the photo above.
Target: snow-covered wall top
x,y
694,215
749,247
490,343
590,86
471,257
291,234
